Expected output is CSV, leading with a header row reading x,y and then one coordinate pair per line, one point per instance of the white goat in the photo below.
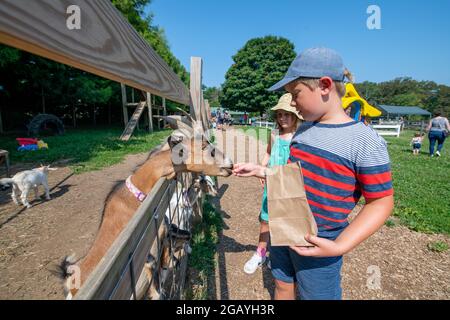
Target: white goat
x,y
25,181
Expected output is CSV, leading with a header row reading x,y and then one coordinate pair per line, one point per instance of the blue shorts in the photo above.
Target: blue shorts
x,y
417,146
317,278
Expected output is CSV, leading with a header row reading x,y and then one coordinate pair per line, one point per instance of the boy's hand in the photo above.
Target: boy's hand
x,y
248,170
322,248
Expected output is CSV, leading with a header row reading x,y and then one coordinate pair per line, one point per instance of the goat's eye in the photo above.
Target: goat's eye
x,y
213,152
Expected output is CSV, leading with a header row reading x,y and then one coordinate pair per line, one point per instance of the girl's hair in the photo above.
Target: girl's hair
x,y
437,114
313,83
417,134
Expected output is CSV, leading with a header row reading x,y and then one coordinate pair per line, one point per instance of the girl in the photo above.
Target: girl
x,y
416,143
287,119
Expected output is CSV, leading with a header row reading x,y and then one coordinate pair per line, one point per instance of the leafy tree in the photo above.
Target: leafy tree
x,y
133,10
257,66
212,94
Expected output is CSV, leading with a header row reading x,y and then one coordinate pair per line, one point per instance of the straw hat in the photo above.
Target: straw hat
x,y
284,103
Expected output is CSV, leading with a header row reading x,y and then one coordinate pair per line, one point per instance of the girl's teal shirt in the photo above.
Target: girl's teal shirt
x,y
279,155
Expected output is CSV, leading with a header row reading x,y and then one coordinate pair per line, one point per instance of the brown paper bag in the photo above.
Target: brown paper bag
x,y
290,217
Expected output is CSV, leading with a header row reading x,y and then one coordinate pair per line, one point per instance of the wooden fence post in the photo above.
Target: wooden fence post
x,y
196,88
1,121
150,117
124,104
164,110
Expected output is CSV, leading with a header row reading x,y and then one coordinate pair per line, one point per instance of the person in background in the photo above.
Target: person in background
x,y
416,143
438,129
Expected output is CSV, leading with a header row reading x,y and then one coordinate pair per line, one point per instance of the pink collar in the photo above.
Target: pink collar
x,y
135,191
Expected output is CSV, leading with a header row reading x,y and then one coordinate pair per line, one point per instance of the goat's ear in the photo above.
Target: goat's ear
x,y
173,140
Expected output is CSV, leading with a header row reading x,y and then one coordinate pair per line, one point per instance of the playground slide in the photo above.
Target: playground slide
x,y
360,107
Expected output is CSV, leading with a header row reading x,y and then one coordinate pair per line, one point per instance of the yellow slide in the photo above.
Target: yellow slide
x,y
352,97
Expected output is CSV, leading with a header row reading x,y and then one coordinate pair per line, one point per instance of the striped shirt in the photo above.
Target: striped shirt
x,y
340,162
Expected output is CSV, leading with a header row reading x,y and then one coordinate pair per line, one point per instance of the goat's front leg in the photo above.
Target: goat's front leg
x,y
14,194
24,197
36,193
47,191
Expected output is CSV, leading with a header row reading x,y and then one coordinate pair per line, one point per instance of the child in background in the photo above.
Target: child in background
x,y
287,119
416,143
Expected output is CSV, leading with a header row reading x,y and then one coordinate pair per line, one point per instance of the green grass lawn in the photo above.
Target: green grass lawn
x,y
87,149
421,184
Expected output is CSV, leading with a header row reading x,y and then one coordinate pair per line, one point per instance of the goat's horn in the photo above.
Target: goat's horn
x,y
186,114
175,123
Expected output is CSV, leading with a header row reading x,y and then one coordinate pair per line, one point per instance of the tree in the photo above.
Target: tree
x,y
212,94
257,66
133,10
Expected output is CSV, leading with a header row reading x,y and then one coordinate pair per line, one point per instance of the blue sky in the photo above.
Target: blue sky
x,y
413,40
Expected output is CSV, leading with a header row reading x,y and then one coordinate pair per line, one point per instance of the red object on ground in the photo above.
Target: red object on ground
x,y
26,141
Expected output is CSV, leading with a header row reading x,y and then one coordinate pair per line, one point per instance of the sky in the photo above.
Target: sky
x,y
413,40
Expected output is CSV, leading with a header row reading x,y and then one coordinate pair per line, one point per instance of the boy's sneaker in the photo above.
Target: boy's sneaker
x,y
438,153
255,261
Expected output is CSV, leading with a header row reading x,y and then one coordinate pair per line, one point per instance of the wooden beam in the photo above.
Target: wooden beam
x,y
164,111
150,115
206,114
106,44
196,88
1,121
133,123
124,104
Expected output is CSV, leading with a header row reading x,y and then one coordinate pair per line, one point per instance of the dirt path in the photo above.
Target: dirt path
x,y
32,240
407,268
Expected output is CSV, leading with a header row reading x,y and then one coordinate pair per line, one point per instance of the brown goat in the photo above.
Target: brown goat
x,y
185,146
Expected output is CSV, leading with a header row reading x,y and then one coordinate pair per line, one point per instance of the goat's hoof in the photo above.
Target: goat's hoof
x,y
48,198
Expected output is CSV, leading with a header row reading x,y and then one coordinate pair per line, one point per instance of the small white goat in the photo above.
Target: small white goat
x,y
180,218
25,181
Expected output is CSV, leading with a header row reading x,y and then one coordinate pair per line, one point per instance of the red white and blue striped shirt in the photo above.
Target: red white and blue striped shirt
x,y
340,162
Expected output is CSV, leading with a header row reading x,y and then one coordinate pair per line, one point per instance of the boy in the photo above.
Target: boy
x,y
341,160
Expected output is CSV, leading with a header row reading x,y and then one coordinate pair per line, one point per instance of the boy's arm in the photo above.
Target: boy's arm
x,y
369,220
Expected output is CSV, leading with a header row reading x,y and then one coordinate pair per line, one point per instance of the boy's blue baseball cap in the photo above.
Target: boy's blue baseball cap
x,y
313,63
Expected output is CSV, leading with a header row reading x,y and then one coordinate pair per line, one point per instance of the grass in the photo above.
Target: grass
x,y
438,246
87,149
421,184
202,260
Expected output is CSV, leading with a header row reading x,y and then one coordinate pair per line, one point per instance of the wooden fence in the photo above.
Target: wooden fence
x,y
108,46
